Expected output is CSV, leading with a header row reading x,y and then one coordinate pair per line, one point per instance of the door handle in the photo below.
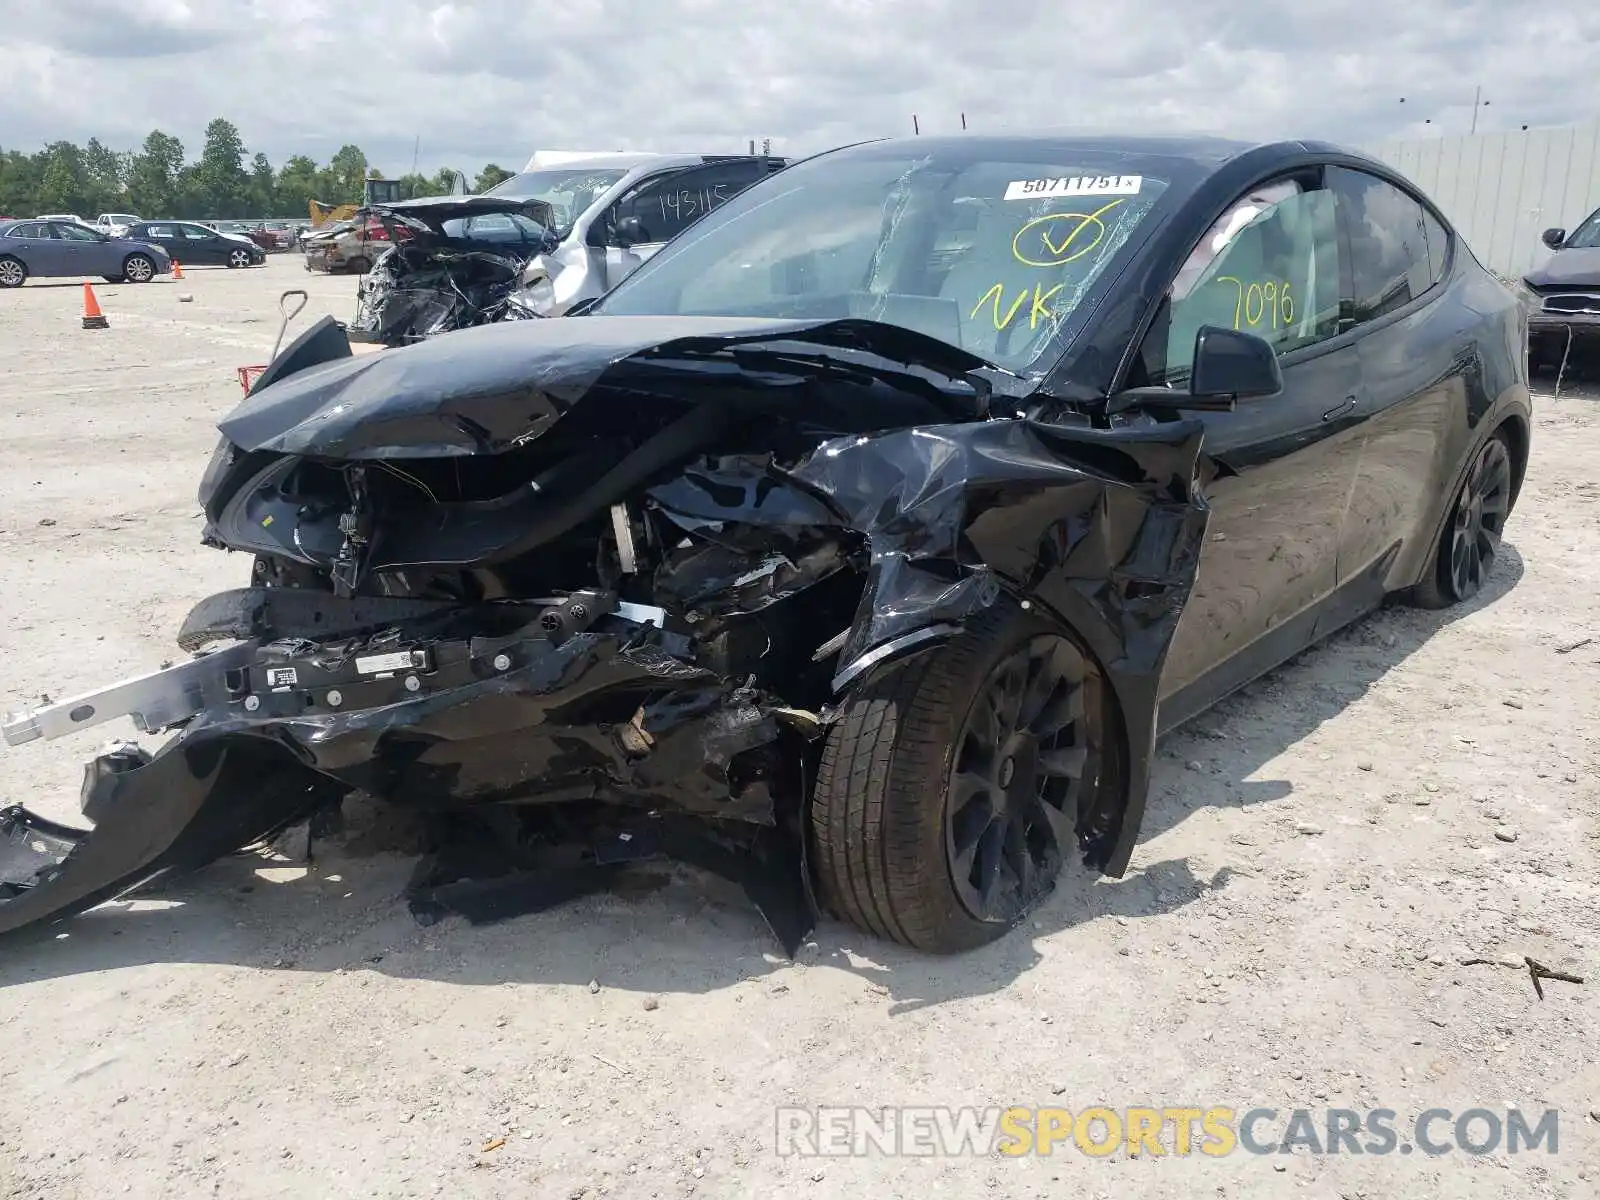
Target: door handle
x,y
1340,409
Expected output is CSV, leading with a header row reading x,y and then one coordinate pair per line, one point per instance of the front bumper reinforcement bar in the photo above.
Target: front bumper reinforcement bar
x,y
154,701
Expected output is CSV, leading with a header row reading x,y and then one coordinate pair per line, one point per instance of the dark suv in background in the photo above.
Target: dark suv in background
x,y
1565,301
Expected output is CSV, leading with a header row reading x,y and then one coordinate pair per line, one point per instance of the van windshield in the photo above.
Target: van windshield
x,y
991,255
568,192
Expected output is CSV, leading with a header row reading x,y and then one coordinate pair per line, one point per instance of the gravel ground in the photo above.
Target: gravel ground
x,y
1320,854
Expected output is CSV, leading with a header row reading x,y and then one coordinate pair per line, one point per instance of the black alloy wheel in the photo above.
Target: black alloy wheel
x,y
1021,759
1480,519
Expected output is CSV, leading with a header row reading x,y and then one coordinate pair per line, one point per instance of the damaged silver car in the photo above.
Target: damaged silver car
x,y
538,244
453,263
841,549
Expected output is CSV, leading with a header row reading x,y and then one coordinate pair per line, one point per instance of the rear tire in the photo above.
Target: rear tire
x,y
949,790
1464,556
357,266
12,272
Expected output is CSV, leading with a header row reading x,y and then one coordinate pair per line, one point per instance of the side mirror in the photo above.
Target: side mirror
x,y
1553,238
629,231
1229,365
1234,364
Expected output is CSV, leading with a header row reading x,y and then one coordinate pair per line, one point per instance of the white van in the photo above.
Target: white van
x,y
115,224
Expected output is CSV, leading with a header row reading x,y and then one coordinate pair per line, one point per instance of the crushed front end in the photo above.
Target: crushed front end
x,y
455,264
583,591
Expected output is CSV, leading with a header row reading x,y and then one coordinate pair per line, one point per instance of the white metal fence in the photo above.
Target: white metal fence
x,y
1502,190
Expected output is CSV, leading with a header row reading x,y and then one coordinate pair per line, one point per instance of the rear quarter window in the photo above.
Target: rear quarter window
x,y
1391,262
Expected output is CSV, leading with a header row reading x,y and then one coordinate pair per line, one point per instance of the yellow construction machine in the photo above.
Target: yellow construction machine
x,y
374,190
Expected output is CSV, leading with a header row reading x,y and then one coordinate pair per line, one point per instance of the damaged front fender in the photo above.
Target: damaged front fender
x,y
1102,529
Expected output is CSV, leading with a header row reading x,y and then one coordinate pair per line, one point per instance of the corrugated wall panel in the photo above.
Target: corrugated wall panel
x,y
1501,190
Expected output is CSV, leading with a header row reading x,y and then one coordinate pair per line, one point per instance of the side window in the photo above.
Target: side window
x,y
160,231
668,205
30,229
196,233
1390,259
1268,266
69,232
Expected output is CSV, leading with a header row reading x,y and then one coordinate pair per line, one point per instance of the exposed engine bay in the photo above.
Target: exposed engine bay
x,y
593,589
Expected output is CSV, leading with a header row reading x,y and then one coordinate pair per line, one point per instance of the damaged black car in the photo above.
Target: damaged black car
x,y
859,545
455,262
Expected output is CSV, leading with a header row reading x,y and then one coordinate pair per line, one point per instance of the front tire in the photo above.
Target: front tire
x,y
238,259
357,266
950,787
1465,555
138,269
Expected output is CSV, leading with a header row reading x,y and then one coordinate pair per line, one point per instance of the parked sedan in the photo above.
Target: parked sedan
x,y
193,244
48,249
876,526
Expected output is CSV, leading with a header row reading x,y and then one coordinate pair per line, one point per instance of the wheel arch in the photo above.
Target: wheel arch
x,y
1110,831
1514,423
1133,685
1519,436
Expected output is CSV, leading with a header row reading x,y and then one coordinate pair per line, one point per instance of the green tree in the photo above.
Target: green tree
x,y
491,176
153,176
220,183
443,180
263,194
414,185
297,184
107,176
19,183
347,170
64,183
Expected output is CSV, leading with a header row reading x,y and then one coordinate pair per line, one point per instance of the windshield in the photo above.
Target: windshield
x,y
987,254
567,192
512,228
1585,236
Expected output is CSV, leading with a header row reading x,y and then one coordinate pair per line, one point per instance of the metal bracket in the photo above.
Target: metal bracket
x,y
154,701
903,644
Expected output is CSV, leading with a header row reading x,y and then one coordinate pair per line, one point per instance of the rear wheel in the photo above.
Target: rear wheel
x,y
949,792
1466,553
357,266
12,272
138,269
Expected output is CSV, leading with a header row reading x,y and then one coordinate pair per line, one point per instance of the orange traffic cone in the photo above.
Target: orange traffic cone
x,y
177,270
93,318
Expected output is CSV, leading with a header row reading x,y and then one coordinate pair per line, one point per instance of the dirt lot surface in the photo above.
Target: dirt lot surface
x,y
1320,855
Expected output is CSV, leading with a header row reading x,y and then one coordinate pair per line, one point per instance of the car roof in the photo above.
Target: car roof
x,y
1203,150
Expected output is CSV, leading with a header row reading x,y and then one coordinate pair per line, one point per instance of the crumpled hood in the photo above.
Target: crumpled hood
x,y
1575,267
431,212
489,389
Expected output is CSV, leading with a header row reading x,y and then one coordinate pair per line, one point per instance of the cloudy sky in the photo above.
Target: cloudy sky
x,y
482,80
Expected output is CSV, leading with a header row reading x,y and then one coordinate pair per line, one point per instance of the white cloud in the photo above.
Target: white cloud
x,y
481,80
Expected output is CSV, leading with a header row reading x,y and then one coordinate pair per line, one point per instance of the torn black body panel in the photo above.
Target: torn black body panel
x,y
202,796
635,565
